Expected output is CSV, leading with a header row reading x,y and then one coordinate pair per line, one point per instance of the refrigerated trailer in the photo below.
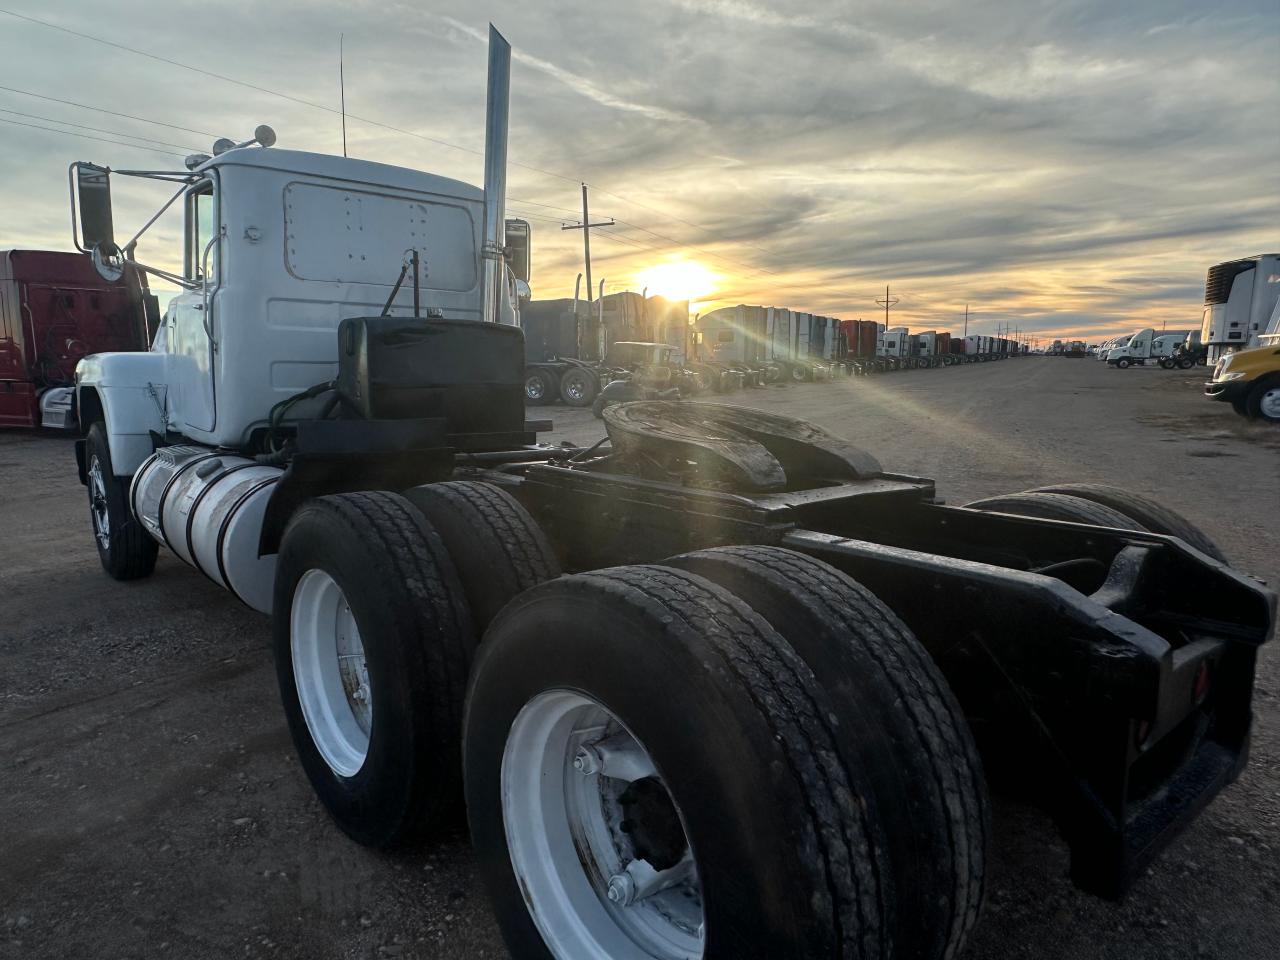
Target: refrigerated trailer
x,y
720,685
1239,298
54,310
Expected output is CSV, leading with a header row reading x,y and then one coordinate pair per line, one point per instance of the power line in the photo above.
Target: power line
x,y
377,123
114,113
81,126
267,90
85,136
670,216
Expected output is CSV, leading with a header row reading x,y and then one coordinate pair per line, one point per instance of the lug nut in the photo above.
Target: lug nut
x,y
622,890
587,761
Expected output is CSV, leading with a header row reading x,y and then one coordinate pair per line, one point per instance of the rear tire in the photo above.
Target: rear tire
x,y
1150,514
381,744
497,548
902,726
736,731
126,550
1057,506
539,387
578,387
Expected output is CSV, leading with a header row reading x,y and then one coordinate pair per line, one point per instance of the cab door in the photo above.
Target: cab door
x,y
192,335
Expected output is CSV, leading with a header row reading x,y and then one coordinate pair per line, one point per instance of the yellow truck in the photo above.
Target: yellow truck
x,y
1250,380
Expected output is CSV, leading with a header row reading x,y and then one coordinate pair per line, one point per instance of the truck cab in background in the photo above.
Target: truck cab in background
x,y
892,346
1250,379
1145,345
56,309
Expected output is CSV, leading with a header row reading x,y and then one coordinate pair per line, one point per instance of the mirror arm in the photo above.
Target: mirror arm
x,y
128,247
173,278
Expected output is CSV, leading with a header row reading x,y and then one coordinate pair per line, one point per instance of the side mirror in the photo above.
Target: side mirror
x,y
518,248
93,189
108,260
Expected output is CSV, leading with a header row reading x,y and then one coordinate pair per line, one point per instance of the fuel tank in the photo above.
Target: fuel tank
x,y
207,507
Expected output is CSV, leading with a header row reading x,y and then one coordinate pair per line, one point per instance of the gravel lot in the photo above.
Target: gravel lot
x,y
152,806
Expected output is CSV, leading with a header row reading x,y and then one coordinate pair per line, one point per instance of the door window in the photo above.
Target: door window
x,y
200,228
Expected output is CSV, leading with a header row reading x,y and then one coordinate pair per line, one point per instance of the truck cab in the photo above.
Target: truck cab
x,y
279,247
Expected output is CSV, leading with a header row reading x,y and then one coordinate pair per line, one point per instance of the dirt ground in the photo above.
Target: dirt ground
x,y
151,804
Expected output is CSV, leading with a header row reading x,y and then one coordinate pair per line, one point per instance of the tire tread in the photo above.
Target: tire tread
x,y
782,688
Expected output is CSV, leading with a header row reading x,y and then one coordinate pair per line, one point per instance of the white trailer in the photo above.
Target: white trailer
x,y
1239,298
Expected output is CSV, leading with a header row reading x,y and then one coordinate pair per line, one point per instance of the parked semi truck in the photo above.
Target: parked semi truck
x,y
861,338
718,686
54,310
568,341
1145,346
1239,299
1250,379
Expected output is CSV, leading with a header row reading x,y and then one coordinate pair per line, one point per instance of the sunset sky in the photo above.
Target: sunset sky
x,y
1071,168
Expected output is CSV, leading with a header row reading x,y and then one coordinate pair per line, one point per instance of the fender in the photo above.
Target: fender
x,y
127,391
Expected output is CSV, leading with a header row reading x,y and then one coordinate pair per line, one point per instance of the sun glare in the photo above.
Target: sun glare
x,y
678,280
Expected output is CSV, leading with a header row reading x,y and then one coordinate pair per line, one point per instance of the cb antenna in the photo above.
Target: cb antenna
x,y
342,94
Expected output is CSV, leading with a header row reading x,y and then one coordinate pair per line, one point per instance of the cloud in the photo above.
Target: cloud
x,y
1056,165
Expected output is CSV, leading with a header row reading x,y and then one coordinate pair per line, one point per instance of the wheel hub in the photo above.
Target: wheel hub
x,y
331,673
597,842
1270,404
98,504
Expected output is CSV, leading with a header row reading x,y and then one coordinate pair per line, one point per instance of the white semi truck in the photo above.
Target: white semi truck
x,y
1145,345
680,726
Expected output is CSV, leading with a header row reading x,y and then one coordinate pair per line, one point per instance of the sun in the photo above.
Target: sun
x,y
678,280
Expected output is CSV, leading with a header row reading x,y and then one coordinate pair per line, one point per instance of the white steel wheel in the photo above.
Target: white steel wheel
x,y
1269,403
330,672
98,503
596,841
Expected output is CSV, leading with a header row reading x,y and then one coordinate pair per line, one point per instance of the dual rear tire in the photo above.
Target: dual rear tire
x,y
738,753
753,720
379,603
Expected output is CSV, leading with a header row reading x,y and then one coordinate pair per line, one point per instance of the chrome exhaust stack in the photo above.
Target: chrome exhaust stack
x,y
497,108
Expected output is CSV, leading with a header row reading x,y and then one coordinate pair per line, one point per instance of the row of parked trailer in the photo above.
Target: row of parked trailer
x,y
574,350
755,335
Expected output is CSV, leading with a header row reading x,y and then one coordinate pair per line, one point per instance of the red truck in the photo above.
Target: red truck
x,y
859,338
55,309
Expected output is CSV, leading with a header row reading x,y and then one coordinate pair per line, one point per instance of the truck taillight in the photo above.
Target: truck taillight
x,y
1200,689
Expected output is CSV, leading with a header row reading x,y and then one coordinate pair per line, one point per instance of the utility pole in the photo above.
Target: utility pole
x,y
887,302
966,319
585,226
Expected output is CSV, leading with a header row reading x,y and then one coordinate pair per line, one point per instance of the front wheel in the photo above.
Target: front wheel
x,y
126,550
1122,363
1264,400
